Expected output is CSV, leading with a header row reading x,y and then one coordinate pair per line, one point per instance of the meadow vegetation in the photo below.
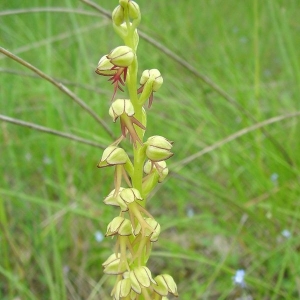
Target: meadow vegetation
x,y
230,102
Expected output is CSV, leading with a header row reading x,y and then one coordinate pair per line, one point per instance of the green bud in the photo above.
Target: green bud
x,y
135,285
105,67
130,195
123,288
112,156
114,200
158,148
154,77
123,3
120,226
113,265
118,15
159,167
152,234
134,10
164,284
140,277
124,197
111,199
119,107
121,56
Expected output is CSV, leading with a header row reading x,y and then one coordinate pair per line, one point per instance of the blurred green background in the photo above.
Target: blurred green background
x,y
234,205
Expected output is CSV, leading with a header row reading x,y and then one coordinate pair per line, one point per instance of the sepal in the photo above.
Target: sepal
x,y
119,107
140,277
121,56
120,226
115,200
114,265
165,284
159,167
134,10
158,148
112,156
123,289
152,76
105,67
129,195
118,15
152,234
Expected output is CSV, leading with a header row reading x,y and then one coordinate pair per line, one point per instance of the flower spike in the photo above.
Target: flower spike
x,y
137,173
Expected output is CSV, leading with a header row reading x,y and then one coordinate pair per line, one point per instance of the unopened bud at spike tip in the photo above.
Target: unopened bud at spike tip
x,y
124,3
134,10
118,15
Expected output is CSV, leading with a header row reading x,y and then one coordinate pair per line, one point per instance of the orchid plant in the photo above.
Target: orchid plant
x,y
135,228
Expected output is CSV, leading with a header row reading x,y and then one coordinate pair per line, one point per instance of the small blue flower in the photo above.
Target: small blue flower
x,y
28,156
274,177
238,278
286,233
99,236
190,212
47,160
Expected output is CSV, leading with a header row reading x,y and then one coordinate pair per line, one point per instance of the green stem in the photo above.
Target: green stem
x,y
131,83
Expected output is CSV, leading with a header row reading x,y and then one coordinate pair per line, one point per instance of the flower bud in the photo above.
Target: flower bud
x,y
119,225
134,10
158,148
114,265
130,195
119,107
105,67
111,199
153,234
123,3
121,56
123,288
140,277
164,284
153,75
148,167
160,167
114,200
113,155
118,15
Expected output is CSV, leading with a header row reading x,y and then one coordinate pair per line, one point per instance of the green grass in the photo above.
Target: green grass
x,y
51,192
